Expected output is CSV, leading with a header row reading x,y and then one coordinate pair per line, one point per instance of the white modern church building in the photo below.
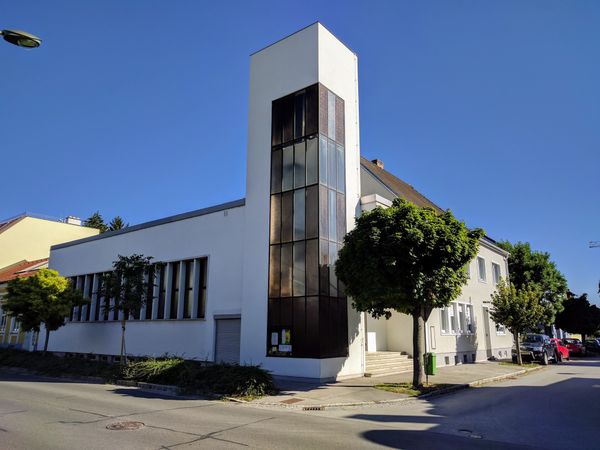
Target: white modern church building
x,y
252,281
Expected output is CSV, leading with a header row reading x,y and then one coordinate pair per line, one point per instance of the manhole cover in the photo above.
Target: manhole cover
x,y
118,426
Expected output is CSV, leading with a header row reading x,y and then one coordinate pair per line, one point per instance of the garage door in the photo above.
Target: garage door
x,y
227,347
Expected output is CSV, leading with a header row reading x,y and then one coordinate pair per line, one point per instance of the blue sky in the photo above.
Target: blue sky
x,y
139,108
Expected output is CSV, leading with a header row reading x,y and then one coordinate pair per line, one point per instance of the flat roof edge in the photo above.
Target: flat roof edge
x,y
154,223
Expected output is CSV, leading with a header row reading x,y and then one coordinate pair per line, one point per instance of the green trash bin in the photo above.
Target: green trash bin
x,y
430,364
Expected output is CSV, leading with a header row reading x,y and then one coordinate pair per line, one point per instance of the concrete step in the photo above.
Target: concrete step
x,y
390,363
374,356
373,373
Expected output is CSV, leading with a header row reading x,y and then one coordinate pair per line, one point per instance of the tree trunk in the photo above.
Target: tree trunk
x,y
46,341
123,352
583,338
418,341
518,345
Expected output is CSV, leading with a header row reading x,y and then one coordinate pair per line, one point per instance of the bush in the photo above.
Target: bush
x,y
52,365
193,376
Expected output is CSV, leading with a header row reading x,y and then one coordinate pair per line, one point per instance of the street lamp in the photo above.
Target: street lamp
x,y
21,38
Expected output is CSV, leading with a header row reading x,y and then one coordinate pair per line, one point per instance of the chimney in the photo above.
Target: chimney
x,y
73,220
378,163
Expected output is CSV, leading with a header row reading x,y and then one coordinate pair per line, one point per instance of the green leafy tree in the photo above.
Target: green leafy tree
x,y
527,266
45,298
96,221
518,309
579,316
117,223
128,285
406,259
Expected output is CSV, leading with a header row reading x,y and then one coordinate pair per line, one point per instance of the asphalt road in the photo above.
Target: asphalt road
x,y
556,408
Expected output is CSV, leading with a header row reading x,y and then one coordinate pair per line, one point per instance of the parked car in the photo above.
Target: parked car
x,y
576,348
592,345
563,351
536,347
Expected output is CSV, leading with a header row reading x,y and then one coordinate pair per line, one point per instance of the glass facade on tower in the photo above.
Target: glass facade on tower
x,y
307,310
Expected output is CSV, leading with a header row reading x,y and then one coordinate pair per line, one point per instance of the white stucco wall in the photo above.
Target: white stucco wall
x,y
309,56
217,236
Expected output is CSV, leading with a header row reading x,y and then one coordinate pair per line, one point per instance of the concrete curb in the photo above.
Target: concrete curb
x,y
449,390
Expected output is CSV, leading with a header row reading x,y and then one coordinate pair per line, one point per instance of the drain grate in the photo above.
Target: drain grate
x,y
125,426
313,408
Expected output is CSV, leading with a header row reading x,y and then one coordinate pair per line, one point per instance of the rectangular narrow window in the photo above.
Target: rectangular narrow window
x,y
323,106
469,319
286,270
299,165
299,286
332,277
287,210
299,214
107,304
322,159
339,120
174,290
275,234
312,161
287,181
89,279
331,165
312,267
341,169
200,296
299,115
287,117
99,299
444,321
340,216
331,115
323,214
162,291
312,110
312,212
276,123
276,170
453,319
189,288
496,273
462,318
274,270
332,210
149,294
323,267
481,267
468,269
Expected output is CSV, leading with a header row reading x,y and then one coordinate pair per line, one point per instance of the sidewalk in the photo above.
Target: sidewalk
x,y
360,391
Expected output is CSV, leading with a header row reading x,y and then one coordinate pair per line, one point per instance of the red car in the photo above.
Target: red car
x,y
563,352
574,345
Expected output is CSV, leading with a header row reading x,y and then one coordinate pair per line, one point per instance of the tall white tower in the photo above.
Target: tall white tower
x,y
303,191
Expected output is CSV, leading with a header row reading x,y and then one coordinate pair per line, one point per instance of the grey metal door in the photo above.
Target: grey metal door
x,y
227,345
488,334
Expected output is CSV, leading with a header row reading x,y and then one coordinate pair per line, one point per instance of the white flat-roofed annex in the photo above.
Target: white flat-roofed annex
x,y
215,233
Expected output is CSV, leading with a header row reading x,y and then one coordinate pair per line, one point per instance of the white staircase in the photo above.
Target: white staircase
x,y
387,363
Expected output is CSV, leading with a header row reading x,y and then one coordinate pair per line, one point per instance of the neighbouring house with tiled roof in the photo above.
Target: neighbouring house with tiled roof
x,y
25,242
11,334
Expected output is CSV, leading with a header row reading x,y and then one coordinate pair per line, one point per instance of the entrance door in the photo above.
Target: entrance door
x,y
488,335
227,344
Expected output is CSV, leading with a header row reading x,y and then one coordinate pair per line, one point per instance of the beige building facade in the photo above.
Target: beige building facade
x,y
460,333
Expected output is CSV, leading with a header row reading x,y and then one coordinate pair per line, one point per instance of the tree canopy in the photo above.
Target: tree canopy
x,y
579,316
527,266
44,298
519,309
129,285
97,221
407,259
